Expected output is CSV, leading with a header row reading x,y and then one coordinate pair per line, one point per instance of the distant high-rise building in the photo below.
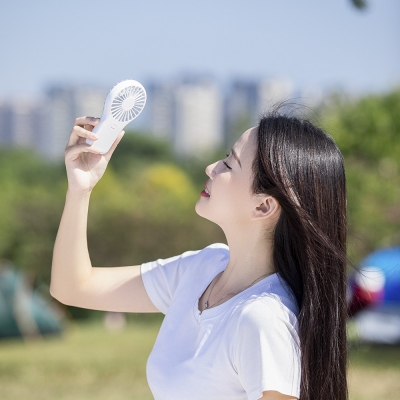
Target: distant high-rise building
x,y
26,123
21,123
160,107
65,104
60,120
240,108
246,101
198,126
272,92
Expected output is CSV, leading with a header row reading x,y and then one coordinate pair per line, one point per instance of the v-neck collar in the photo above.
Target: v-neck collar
x,y
219,309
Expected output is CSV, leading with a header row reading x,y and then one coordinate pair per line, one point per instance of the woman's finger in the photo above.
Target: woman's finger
x,y
81,121
79,132
73,152
88,127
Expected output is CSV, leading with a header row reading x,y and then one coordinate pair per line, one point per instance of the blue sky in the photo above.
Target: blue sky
x,y
315,43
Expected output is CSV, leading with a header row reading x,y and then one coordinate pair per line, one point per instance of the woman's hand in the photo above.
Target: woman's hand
x,y
84,163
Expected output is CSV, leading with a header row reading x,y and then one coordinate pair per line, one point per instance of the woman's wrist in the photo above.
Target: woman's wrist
x,y
79,194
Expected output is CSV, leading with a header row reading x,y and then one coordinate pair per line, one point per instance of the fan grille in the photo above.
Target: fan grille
x,y
128,103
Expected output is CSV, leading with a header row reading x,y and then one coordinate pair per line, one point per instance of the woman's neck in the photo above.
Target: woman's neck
x,y
251,256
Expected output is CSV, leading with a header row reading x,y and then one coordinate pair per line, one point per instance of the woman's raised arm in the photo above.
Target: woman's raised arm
x,y
73,279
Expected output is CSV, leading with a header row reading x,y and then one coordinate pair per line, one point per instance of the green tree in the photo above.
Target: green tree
x,y
360,4
30,205
367,131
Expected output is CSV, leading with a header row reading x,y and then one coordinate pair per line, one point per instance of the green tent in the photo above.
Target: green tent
x,y
24,312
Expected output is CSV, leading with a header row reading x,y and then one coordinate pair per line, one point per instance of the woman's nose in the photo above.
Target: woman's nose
x,y
210,170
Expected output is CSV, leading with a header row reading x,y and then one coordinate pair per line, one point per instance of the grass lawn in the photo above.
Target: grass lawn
x,y
374,372
88,362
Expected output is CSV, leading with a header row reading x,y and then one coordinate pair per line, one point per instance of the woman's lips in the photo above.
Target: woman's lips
x,y
205,193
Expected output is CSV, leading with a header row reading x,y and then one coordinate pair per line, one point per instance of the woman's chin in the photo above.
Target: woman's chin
x,y
200,210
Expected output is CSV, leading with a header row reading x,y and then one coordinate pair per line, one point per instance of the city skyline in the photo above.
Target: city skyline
x,y
195,115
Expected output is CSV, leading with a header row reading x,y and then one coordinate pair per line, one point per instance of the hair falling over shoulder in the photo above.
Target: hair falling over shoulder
x,y
302,167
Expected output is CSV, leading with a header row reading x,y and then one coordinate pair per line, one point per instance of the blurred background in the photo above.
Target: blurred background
x,y
210,69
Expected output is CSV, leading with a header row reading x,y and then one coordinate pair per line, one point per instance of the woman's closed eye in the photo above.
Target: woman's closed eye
x,y
225,163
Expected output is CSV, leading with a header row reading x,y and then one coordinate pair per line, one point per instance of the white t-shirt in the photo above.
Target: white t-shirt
x,y
236,350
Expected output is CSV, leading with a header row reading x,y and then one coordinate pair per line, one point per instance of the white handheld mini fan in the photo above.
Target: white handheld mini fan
x,y
122,105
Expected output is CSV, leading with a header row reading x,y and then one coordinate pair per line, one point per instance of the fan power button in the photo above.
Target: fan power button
x,y
113,126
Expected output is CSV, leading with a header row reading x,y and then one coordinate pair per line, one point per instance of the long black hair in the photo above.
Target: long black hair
x,y
302,168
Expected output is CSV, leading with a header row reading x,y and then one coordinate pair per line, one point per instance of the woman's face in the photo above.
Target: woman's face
x,y
230,200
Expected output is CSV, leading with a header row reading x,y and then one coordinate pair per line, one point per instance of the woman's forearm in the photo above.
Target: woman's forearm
x,y
85,165
71,265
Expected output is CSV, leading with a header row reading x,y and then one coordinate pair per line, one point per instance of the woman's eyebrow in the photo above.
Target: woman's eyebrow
x,y
236,157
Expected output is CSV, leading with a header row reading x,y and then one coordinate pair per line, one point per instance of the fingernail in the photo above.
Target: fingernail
x,y
94,136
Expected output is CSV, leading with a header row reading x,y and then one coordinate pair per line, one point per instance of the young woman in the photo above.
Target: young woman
x,y
261,318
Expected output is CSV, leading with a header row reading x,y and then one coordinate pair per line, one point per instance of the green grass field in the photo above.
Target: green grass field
x,y
88,362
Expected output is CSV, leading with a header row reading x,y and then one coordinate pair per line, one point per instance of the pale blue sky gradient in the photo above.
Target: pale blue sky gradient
x,y
315,43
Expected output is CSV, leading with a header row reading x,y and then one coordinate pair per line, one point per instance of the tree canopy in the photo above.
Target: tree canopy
x,y
367,131
360,4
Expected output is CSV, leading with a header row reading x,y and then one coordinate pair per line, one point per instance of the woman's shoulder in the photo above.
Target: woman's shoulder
x,y
272,300
213,252
284,294
217,247
210,258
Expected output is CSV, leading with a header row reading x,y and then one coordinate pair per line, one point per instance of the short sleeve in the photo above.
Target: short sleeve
x,y
266,352
162,277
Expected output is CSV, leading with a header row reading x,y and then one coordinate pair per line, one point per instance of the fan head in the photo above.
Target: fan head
x,y
128,103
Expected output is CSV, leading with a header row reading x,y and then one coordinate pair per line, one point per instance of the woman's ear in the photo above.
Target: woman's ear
x,y
267,207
